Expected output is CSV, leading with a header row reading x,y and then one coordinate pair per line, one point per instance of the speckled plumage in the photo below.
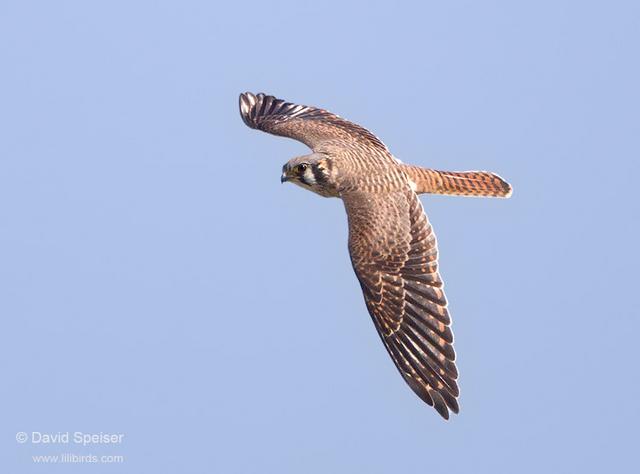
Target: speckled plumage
x,y
392,245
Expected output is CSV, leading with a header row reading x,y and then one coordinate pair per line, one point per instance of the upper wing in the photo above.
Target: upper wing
x,y
394,254
313,127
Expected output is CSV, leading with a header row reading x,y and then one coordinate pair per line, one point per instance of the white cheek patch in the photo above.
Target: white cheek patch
x,y
309,178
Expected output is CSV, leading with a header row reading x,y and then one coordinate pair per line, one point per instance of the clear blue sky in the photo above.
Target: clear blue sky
x,y
157,280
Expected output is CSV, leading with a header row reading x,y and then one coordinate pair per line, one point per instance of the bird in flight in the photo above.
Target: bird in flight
x,y
391,243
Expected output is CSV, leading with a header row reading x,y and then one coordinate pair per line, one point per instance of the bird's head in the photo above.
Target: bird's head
x,y
312,172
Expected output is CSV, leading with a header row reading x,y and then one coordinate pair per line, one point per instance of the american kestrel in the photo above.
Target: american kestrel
x,y
392,246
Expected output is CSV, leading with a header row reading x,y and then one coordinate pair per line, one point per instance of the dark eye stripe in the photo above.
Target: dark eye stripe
x,y
318,175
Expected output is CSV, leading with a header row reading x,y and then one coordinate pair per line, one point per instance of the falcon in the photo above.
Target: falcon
x,y
391,243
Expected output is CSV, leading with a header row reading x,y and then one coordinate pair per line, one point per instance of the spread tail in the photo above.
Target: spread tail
x,y
458,183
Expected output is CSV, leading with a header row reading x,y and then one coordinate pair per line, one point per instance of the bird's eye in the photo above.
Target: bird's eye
x,y
302,167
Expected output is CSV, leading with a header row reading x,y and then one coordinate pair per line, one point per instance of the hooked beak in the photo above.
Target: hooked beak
x,y
284,177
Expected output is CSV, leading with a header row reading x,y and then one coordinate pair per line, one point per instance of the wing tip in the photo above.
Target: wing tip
x,y
442,400
256,108
247,103
444,403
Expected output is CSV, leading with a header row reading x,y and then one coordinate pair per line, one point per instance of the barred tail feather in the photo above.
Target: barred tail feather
x,y
458,183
